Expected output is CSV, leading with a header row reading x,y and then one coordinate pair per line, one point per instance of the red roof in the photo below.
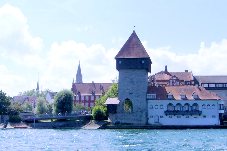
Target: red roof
x,y
177,91
133,48
185,76
90,88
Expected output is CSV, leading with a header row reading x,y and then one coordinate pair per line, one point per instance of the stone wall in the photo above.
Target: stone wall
x,y
133,86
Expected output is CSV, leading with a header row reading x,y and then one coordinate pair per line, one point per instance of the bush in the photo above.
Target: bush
x,y
14,119
99,113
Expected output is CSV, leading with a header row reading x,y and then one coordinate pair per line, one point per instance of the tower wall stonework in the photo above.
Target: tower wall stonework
x,y
133,85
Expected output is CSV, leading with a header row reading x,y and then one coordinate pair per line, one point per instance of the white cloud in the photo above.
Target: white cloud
x,y
15,38
210,60
22,57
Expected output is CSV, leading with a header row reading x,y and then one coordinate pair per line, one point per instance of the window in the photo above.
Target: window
x,y
169,96
92,97
213,106
195,107
151,107
161,116
156,106
77,98
170,116
205,85
170,107
219,85
187,116
82,97
221,107
195,96
213,116
183,96
151,96
128,106
211,85
178,116
178,107
208,106
186,107
203,106
204,116
86,98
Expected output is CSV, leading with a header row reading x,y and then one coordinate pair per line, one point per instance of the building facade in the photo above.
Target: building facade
x,y
183,105
85,94
166,98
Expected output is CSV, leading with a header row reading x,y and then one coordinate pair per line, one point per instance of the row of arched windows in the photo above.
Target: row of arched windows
x,y
180,107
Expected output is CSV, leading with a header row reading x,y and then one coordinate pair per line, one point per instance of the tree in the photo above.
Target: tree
x,y
41,107
99,111
14,111
4,103
63,102
27,107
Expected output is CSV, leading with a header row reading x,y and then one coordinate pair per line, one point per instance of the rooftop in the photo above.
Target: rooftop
x,y
133,48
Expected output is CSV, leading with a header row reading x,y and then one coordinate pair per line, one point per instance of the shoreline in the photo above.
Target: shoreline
x,y
104,125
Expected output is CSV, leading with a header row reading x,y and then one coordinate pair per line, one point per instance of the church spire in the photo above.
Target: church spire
x,y
79,75
37,87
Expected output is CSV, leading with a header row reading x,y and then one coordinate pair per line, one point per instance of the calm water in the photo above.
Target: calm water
x,y
36,139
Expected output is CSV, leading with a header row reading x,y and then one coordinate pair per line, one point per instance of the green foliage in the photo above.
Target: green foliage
x,y
15,108
99,113
100,107
4,103
49,108
14,118
79,107
27,107
33,92
41,107
63,102
111,93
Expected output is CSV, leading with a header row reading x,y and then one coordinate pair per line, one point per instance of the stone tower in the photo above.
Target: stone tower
x,y
133,64
79,75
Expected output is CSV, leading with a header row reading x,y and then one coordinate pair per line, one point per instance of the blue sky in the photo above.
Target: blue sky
x,y
48,38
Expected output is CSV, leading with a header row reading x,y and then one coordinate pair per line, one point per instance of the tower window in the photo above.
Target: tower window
x,y
128,106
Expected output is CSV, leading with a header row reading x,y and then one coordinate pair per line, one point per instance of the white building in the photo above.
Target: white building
x,y
183,105
50,96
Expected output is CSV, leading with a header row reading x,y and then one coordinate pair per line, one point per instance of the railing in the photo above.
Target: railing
x,y
174,112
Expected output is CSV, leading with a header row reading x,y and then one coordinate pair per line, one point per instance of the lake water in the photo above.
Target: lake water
x,y
108,140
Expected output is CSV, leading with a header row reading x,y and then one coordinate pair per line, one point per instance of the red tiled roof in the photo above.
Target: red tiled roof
x,y
177,91
133,48
22,99
165,76
185,76
90,88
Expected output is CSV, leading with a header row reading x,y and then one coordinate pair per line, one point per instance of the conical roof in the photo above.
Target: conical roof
x,y
133,48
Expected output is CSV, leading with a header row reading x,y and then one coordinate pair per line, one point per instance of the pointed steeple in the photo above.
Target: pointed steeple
x,y
133,48
37,87
79,75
